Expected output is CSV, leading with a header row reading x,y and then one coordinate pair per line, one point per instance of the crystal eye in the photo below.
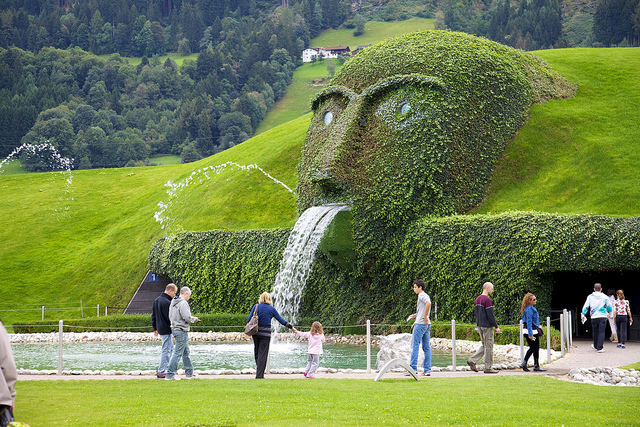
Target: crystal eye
x,y
404,108
328,117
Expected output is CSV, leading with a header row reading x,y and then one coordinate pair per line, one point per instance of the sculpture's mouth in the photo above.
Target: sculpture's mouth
x,y
328,190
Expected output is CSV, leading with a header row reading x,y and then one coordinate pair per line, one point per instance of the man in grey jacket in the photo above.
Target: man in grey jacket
x,y
181,319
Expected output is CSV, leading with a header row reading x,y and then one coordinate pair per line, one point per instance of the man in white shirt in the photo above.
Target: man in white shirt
x,y
421,328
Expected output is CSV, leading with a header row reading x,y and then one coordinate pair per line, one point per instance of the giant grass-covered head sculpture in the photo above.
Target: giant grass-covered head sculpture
x,y
414,126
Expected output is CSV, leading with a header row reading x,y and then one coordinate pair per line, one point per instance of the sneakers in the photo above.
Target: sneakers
x,y
619,345
593,346
161,376
305,374
472,365
426,374
191,377
491,371
601,350
174,378
623,346
309,376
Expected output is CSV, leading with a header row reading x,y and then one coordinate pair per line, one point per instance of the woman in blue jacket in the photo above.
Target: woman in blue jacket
x,y
531,323
261,340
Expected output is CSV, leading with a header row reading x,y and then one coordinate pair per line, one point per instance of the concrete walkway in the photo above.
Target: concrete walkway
x,y
580,356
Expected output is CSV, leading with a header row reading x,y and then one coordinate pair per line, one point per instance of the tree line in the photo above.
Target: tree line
x,y
104,112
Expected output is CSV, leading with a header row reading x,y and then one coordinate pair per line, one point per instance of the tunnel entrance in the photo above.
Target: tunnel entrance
x,y
570,290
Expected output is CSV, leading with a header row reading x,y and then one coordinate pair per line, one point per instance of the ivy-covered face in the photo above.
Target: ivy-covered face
x,y
415,125
367,147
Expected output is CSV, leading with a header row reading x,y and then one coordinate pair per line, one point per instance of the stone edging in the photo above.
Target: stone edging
x,y
605,376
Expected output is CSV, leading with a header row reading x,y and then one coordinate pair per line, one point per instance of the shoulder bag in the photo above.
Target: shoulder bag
x,y
252,324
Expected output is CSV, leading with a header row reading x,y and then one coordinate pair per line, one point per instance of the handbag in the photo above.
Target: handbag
x,y
540,331
252,325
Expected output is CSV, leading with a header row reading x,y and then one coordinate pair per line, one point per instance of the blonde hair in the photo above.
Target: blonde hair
x,y
316,328
620,294
265,298
526,301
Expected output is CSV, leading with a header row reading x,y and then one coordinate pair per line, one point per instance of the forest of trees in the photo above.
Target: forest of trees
x,y
104,112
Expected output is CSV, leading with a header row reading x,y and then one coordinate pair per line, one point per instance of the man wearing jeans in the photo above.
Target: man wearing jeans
x,y
486,322
162,325
599,307
421,329
181,319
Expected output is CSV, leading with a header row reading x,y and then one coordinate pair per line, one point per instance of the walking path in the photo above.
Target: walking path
x,y
580,356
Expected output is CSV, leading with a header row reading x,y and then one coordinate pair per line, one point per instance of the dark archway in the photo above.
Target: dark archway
x,y
570,290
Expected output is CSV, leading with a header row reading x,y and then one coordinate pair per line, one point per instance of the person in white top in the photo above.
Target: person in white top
x,y
421,328
316,338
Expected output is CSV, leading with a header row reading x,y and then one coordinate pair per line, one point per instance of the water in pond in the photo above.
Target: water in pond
x,y
130,356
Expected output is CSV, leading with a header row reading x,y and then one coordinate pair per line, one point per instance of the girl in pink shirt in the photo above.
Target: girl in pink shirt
x,y
316,338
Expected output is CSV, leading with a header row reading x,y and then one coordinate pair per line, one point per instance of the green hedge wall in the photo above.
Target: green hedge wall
x,y
226,270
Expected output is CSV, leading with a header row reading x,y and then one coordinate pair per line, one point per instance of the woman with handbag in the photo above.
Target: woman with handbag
x,y
262,338
532,331
623,316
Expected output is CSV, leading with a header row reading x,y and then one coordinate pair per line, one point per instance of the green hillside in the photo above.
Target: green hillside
x,y
309,78
91,243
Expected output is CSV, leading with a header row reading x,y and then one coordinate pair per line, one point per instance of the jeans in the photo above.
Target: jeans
x,y
621,326
165,354
181,350
486,349
421,335
598,326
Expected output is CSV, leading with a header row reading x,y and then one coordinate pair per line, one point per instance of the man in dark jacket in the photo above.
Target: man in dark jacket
x,y
162,325
486,322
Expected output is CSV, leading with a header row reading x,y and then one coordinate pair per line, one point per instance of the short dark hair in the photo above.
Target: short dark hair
x,y
419,283
597,287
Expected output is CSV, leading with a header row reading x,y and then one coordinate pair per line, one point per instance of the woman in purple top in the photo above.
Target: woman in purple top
x,y
262,339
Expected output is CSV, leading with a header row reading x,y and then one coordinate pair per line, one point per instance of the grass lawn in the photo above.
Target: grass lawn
x,y
165,160
479,400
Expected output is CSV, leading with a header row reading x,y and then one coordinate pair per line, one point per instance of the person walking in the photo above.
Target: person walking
x,y
262,338
316,338
623,315
421,333
162,326
598,306
531,331
611,293
487,325
8,378
181,319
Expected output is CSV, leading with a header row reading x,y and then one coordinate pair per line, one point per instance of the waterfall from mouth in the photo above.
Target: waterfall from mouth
x,y
295,266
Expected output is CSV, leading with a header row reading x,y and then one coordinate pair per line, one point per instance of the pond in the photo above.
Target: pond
x,y
130,356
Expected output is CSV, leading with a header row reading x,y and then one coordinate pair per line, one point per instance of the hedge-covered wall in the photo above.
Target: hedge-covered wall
x,y
408,133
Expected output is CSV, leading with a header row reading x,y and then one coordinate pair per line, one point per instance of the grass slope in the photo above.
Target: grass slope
x,y
578,155
96,252
476,400
305,78
575,155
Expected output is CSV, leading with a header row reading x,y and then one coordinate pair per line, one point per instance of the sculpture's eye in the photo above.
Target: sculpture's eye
x,y
327,118
404,108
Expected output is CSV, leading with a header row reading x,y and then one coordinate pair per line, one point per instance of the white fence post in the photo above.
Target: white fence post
x,y
521,341
81,310
453,344
43,312
98,307
105,310
571,329
368,346
60,341
548,339
562,334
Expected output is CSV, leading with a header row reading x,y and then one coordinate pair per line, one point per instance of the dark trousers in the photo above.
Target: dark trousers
x,y
621,327
261,352
598,327
534,348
